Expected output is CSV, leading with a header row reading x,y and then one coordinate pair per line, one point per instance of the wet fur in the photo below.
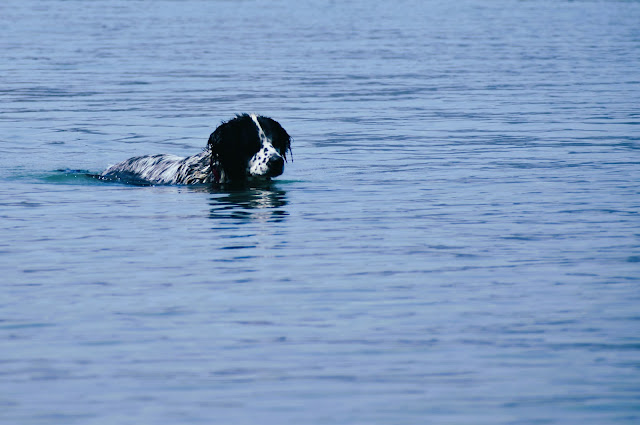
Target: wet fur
x,y
244,148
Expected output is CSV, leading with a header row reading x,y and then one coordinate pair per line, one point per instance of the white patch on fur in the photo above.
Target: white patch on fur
x,y
263,137
163,169
259,163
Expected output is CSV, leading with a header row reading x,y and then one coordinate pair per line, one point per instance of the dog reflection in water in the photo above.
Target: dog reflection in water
x,y
256,204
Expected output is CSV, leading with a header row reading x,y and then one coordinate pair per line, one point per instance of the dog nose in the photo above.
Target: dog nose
x,y
276,165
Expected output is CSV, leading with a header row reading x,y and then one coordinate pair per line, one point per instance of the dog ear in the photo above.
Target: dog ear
x,y
280,138
214,145
224,155
215,140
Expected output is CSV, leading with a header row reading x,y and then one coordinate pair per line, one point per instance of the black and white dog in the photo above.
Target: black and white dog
x,y
244,148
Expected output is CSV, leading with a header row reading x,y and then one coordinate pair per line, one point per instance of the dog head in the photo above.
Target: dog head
x,y
248,146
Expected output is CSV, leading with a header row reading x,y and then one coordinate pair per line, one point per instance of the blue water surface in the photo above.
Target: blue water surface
x,y
457,239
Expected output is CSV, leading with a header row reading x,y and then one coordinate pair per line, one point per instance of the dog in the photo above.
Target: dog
x,y
247,147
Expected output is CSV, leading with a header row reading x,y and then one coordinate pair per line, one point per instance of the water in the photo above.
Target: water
x,y
456,240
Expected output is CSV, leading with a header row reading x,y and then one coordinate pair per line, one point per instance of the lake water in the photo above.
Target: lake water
x,y
457,239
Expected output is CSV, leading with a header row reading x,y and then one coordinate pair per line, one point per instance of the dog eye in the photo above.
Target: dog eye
x,y
280,146
255,143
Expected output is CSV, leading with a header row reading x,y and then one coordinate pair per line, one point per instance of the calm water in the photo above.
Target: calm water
x,y
457,240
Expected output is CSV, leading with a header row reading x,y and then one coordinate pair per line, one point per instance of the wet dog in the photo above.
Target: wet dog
x,y
247,147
